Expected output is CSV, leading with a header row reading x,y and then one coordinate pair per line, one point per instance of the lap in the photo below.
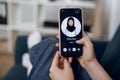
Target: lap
x,y
41,56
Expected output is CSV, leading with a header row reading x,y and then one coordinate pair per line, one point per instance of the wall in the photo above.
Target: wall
x,y
107,18
114,17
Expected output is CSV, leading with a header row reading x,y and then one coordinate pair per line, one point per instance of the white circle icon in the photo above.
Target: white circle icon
x,y
74,49
65,49
65,28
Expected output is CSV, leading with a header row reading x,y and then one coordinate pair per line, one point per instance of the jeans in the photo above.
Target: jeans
x,y
41,56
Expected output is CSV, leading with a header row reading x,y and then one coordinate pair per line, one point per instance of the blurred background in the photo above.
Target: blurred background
x,y
22,17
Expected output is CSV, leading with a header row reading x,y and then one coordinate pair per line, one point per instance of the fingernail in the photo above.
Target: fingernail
x,y
55,44
77,41
57,51
65,61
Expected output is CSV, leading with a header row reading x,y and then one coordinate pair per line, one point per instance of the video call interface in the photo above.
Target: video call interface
x,y
70,30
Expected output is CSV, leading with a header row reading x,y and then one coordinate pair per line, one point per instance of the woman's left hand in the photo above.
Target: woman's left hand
x,y
61,69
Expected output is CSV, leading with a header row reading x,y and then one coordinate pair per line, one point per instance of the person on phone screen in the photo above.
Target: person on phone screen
x,y
70,29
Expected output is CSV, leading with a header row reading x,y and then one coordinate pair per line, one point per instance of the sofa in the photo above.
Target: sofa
x,y
104,51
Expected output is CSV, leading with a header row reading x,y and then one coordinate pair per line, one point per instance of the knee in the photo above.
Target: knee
x,y
51,40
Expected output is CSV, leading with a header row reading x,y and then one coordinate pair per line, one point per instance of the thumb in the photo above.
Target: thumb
x,y
81,41
79,59
66,64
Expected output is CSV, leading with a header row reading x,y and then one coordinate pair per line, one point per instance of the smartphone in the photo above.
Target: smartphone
x,y
70,28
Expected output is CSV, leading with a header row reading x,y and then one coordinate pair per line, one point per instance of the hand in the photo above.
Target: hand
x,y
61,69
88,51
89,62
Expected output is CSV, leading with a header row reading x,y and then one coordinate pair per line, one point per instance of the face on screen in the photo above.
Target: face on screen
x,y
71,26
70,31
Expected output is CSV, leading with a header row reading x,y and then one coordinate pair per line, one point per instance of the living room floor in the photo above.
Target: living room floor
x,y
6,59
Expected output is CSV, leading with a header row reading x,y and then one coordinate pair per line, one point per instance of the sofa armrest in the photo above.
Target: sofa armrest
x,y
99,48
20,48
17,72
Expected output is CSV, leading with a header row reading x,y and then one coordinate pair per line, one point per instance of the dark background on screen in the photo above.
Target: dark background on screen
x,y
64,13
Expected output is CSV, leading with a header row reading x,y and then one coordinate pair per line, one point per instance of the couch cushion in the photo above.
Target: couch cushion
x,y
112,53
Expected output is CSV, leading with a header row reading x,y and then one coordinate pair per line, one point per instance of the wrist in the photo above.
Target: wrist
x,y
90,64
93,68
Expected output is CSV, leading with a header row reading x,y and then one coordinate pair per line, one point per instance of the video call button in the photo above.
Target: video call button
x,y
65,49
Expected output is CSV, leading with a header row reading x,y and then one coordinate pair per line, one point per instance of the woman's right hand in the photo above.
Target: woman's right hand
x,y
89,62
88,51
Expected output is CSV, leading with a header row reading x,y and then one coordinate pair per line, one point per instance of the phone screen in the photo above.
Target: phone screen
x,y
70,31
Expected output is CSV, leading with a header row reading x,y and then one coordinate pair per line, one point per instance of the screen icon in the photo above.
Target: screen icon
x,y
78,49
69,49
74,49
65,49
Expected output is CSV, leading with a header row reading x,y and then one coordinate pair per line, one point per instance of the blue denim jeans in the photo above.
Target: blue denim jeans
x,y
41,56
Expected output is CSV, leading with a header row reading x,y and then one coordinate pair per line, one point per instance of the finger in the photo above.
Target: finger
x,y
81,62
70,60
79,59
66,64
50,75
57,44
52,78
61,63
56,58
81,41
86,37
57,36
85,41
